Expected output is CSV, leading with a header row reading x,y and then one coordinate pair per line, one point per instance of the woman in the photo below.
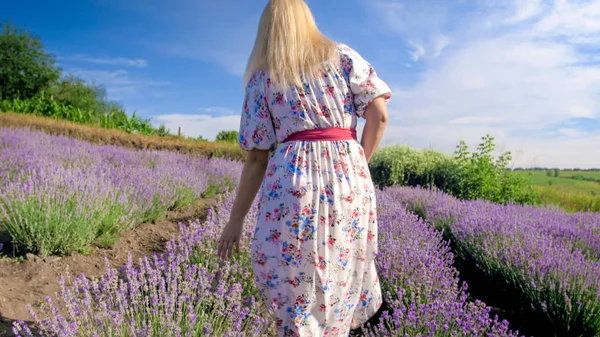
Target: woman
x,y
316,238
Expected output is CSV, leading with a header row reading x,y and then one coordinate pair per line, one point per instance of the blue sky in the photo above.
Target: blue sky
x,y
525,71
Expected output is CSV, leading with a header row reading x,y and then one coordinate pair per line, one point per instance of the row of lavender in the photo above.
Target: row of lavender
x,y
187,291
59,194
547,258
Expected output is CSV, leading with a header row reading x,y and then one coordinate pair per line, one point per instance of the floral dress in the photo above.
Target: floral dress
x,y
316,238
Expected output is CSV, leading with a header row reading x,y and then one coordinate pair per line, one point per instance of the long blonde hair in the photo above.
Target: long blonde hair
x,y
288,45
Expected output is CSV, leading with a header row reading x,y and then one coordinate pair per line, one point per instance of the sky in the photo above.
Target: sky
x,y
527,72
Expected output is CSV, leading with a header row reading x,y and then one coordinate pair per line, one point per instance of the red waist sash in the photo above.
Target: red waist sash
x,y
323,134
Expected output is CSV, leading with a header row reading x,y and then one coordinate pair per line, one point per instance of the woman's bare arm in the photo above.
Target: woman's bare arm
x,y
250,181
253,174
376,115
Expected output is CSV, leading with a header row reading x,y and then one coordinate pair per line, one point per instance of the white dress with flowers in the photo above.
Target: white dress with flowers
x,y
316,238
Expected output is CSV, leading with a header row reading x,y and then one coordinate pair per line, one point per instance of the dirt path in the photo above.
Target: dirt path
x,y
31,281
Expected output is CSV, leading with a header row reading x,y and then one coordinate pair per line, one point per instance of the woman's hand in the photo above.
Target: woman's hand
x,y
230,238
250,181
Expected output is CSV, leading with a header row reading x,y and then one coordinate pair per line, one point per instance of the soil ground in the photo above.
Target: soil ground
x,y
26,281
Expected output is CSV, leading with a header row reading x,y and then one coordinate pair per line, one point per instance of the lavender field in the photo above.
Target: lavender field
x,y
548,261
59,195
63,194
188,292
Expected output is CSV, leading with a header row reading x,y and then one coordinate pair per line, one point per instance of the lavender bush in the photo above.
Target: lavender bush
x,y
546,257
188,292
61,194
422,287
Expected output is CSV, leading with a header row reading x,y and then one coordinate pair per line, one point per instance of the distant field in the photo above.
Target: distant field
x,y
570,194
564,181
569,174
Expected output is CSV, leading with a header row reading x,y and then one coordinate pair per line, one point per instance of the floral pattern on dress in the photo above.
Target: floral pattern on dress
x,y
315,243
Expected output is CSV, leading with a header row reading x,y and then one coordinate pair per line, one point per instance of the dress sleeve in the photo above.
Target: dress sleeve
x,y
256,127
364,82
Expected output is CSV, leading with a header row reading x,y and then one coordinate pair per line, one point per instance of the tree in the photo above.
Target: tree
x,y
481,176
25,68
228,136
75,92
556,172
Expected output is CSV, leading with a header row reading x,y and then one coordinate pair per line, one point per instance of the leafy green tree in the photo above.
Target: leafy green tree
x,y
227,136
556,172
25,67
74,91
481,176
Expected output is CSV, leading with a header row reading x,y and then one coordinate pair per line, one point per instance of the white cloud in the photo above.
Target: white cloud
x,y
577,20
119,84
439,42
524,10
194,125
217,110
418,51
572,150
503,80
121,61
419,21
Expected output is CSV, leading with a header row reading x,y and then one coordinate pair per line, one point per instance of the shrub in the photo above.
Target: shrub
x,y
476,175
227,136
481,176
29,83
25,68
402,165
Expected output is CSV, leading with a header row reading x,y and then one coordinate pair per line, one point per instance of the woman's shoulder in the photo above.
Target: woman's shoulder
x,y
347,52
257,78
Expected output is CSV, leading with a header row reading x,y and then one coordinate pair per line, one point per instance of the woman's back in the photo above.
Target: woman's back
x,y
334,97
315,242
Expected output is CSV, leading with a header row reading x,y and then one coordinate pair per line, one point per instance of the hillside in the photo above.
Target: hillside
x,y
96,135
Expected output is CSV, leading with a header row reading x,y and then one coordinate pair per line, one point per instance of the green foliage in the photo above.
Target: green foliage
x,y
25,68
30,83
227,136
402,165
556,173
45,105
549,172
481,176
476,175
62,225
162,131
569,201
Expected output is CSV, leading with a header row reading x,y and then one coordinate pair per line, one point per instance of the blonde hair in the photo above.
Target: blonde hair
x,y
288,44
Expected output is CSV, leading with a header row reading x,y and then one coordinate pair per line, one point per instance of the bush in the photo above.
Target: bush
x,y
25,68
228,136
481,176
402,165
29,83
467,175
115,118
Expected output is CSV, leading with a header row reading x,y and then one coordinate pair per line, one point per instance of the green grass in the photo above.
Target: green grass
x,y
564,182
570,173
572,195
